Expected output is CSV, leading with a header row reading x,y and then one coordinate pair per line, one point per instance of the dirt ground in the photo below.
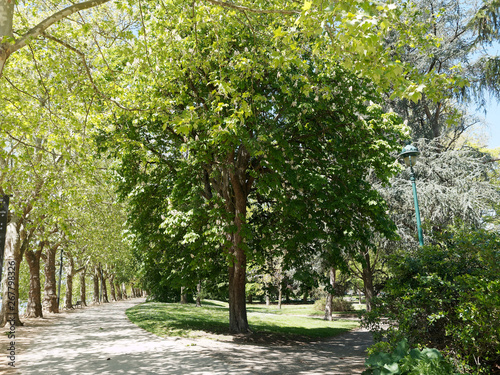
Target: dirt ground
x,y
101,340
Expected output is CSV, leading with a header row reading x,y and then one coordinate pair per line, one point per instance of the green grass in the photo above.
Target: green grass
x,y
174,319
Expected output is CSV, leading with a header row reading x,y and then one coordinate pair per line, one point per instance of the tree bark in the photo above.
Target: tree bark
x,y
7,12
104,287
238,322
95,278
124,291
112,287
184,298
10,276
330,296
368,281
34,308
305,297
70,274
118,292
83,288
50,295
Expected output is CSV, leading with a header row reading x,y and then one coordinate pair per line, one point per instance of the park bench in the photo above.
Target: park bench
x,y
79,303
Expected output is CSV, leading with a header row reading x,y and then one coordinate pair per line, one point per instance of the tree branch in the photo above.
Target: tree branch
x,y
89,73
49,21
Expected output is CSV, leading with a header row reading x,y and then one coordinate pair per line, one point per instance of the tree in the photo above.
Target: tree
x,y
247,121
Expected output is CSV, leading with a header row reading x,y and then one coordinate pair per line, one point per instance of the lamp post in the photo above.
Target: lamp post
x,y
410,154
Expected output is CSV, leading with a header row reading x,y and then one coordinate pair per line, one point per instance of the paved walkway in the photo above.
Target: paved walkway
x,y
101,340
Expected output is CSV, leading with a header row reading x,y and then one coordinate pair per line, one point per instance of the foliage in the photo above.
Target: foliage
x,y
338,303
446,295
455,185
408,362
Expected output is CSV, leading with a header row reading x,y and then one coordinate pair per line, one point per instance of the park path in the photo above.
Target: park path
x,y
101,340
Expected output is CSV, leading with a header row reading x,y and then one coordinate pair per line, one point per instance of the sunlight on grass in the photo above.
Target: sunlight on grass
x,y
175,319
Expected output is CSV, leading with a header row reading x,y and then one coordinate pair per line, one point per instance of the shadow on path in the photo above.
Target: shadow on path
x,y
101,340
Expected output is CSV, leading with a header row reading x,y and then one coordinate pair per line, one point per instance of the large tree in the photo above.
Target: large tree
x,y
240,114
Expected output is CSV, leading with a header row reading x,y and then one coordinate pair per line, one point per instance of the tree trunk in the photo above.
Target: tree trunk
x,y
83,289
70,271
305,297
104,288
95,279
368,281
280,295
112,287
118,292
330,296
184,298
7,12
124,291
10,276
238,322
198,294
34,308
50,295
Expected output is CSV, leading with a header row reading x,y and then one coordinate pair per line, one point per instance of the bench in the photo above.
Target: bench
x,y
79,303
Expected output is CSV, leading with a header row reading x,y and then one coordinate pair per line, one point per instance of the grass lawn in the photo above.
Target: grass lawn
x,y
293,321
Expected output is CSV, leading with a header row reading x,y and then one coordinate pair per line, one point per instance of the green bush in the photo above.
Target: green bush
x,y
446,296
339,304
408,362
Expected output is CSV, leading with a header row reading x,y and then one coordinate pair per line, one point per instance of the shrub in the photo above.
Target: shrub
x,y
446,296
339,304
408,362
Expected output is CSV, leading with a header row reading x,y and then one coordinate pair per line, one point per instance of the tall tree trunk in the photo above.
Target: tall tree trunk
x,y
50,294
238,322
368,281
95,278
112,287
70,269
34,308
330,296
10,275
104,288
83,289
118,291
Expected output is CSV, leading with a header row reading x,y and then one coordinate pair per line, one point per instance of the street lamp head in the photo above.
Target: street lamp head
x,y
409,154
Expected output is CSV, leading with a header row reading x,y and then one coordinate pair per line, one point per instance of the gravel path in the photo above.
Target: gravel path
x,y
101,340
